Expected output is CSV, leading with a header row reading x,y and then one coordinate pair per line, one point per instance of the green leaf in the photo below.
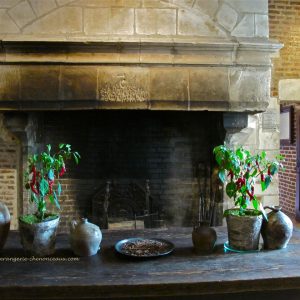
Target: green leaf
x,y
255,203
51,198
243,189
222,175
231,189
61,146
253,173
42,206
263,154
239,153
273,169
268,180
56,200
44,187
59,189
51,174
263,185
34,198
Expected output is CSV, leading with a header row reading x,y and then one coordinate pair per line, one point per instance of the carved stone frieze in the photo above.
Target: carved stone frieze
x,y
123,90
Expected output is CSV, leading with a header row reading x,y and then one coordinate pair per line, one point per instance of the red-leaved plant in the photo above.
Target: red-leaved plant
x,y
239,170
44,171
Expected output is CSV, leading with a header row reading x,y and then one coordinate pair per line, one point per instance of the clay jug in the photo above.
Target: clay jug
x,y
277,231
4,224
85,237
204,238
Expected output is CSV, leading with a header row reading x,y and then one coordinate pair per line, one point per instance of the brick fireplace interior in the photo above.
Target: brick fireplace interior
x,y
163,155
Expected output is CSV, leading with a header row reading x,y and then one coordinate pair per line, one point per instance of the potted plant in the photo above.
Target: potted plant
x,y
42,179
239,170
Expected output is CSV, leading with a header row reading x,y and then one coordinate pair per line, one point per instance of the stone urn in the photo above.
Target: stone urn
x,y
85,237
278,230
39,239
204,238
243,231
4,224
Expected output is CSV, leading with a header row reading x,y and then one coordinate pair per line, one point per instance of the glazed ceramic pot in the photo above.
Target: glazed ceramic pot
x,y
39,239
243,231
4,224
85,237
204,238
278,230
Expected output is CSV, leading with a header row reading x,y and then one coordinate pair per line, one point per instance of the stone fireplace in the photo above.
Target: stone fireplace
x,y
143,90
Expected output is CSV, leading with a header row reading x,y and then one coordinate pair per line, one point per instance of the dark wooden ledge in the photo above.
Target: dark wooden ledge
x,y
181,275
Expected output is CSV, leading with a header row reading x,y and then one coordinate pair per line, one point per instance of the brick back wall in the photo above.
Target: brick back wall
x,y
284,25
8,178
287,178
164,147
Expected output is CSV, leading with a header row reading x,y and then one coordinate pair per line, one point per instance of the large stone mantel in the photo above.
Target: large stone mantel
x,y
168,74
174,51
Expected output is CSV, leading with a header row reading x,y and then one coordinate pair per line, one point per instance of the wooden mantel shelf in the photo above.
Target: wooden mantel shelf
x,y
181,275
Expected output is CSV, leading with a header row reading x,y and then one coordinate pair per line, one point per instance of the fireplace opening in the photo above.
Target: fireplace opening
x,y
138,169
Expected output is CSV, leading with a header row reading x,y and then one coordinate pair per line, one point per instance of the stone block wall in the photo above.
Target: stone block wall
x,y
93,19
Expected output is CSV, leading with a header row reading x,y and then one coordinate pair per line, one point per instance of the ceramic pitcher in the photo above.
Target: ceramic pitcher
x,y
85,237
4,224
277,231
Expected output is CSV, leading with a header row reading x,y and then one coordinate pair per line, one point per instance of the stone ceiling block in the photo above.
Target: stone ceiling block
x,y
61,21
156,21
122,21
158,3
227,17
96,21
197,24
42,7
207,7
63,2
183,3
22,13
261,26
245,28
7,25
249,6
8,3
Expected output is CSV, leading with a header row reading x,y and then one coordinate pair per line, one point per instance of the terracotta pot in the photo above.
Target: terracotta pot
x,y
39,239
278,230
243,231
85,238
4,224
204,238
